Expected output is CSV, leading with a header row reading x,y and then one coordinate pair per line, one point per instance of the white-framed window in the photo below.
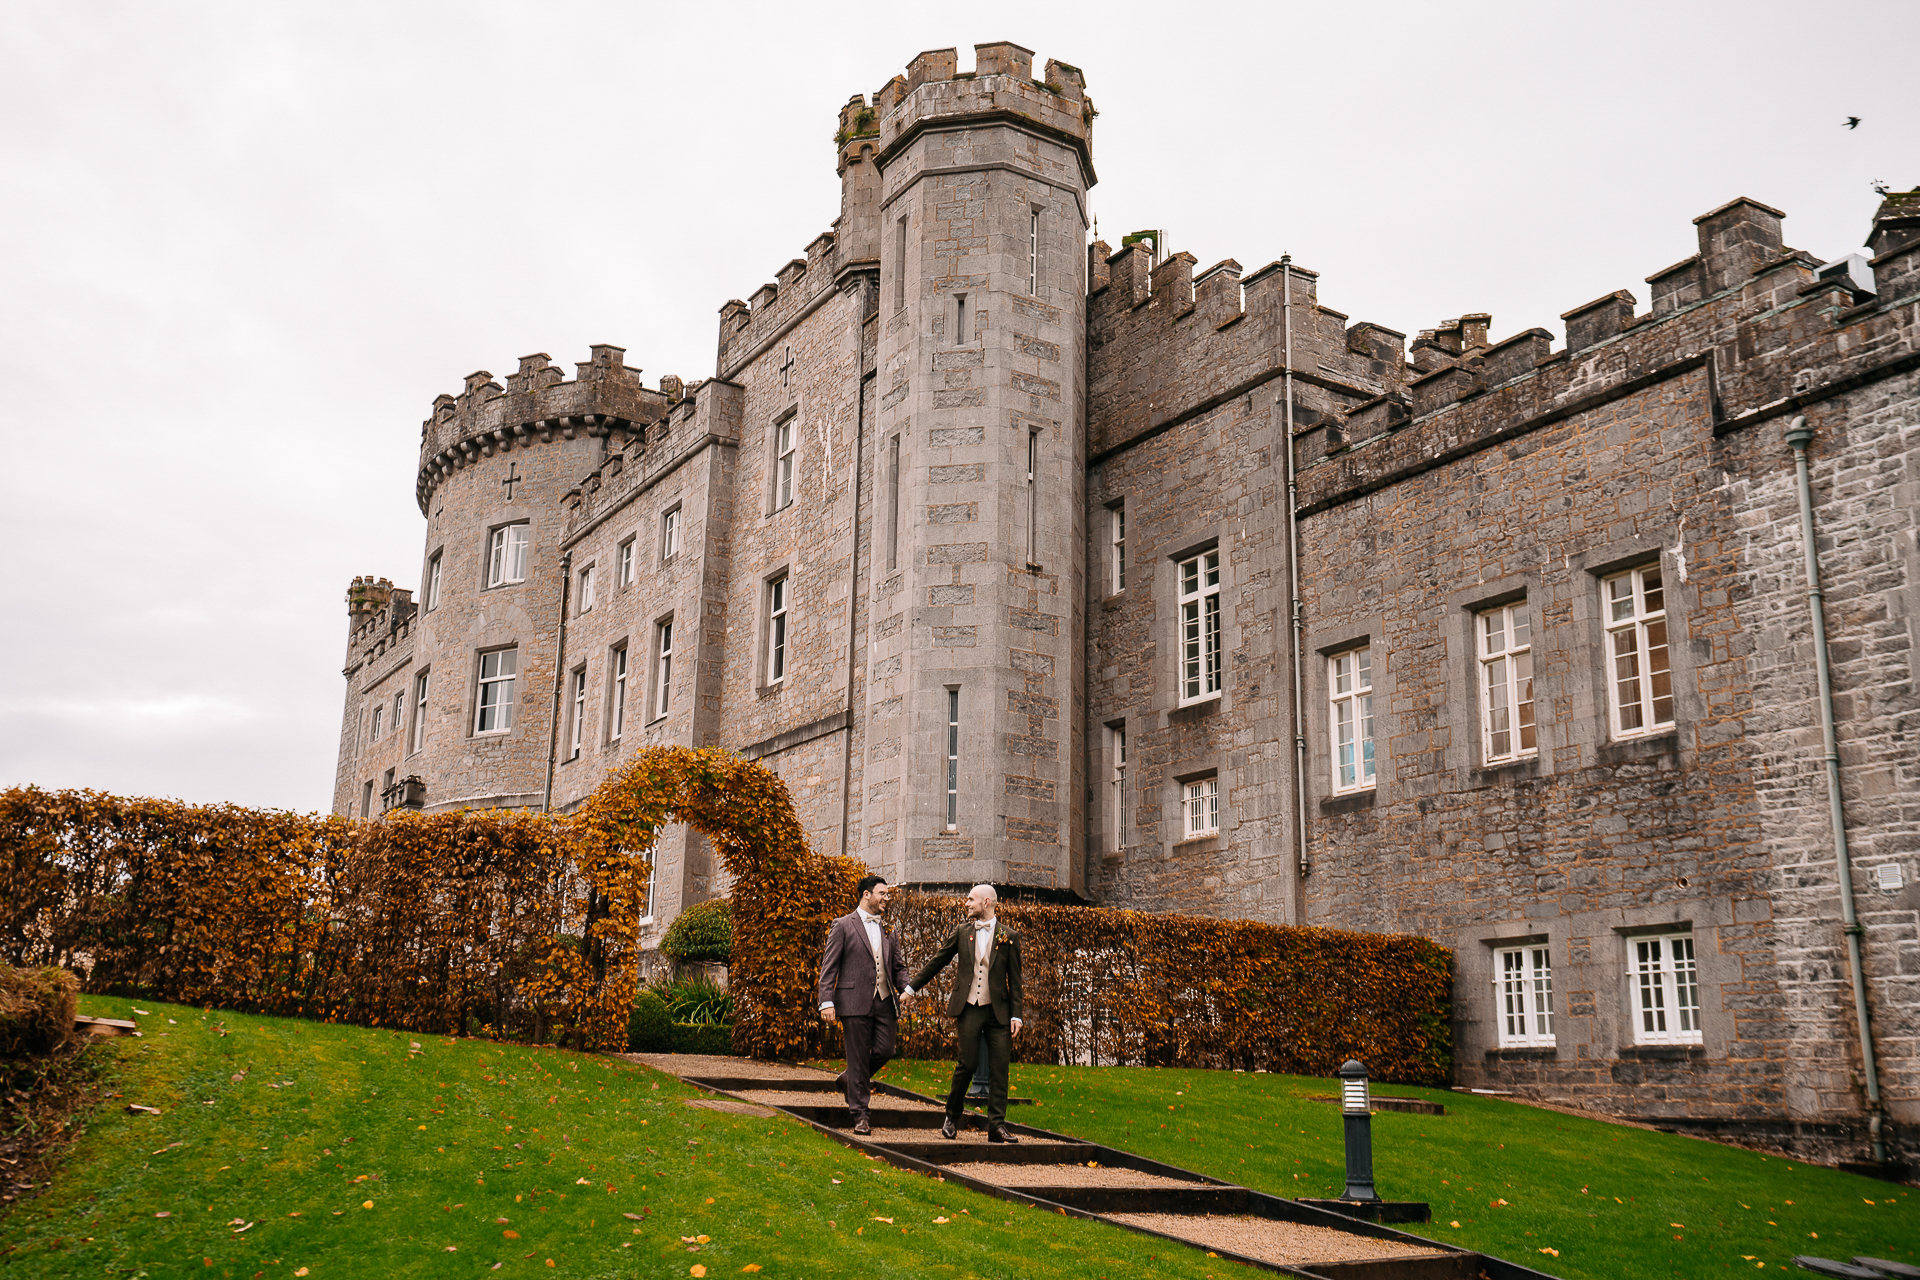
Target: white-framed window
x,y
1117,784
1033,253
1665,982
1523,985
1033,497
783,462
433,582
626,563
670,524
777,630
366,799
398,722
1117,540
374,736
507,555
1202,807
1640,681
493,708
1200,627
1505,641
617,719
386,789
419,734
1350,718
953,759
653,865
663,667
577,733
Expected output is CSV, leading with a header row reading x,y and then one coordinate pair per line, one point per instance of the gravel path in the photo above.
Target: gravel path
x,y
797,1098
712,1065
1286,1244
1063,1175
977,1137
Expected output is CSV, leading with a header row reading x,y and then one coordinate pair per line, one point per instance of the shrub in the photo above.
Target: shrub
x,y
698,1002
650,1027
703,931
37,1008
692,1038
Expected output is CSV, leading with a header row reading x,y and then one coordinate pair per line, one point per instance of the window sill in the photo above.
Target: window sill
x,y
1198,709
1516,767
1663,1053
659,719
1114,600
768,690
1197,844
1643,747
1347,802
1524,1053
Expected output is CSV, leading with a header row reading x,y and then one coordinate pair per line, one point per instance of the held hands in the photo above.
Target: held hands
x,y
826,1013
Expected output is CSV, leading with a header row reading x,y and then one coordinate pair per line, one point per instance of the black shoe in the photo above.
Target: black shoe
x,y
998,1133
861,1127
948,1129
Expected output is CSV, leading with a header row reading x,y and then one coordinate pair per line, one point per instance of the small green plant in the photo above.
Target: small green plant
x,y
697,1001
650,1025
703,931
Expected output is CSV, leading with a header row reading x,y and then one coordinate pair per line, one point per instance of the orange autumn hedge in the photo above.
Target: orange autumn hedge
x,y
1138,989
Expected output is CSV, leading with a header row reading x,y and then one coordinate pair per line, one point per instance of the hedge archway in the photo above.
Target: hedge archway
x,y
784,893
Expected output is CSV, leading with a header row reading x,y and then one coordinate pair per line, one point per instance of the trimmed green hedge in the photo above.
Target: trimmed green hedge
x,y
703,931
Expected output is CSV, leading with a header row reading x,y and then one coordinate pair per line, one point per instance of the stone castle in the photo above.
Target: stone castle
x,y
1096,577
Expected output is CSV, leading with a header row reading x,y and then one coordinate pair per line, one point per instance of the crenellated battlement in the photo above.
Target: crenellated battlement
x,y
746,326
708,412
605,398
379,615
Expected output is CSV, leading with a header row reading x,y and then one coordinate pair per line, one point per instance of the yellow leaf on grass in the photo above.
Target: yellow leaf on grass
x,y
940,1219
511,1235
696,1270
701,1239
751,1266
878,1218
302,1271
366,1204
1453,1224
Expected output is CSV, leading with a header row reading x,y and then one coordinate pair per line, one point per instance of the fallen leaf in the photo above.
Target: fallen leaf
x,y
696,1270
702,1239
578,1182
366,1204
511,1234
888,1221
634,1216
452,1248
250,1226
144,1014
751,1266
942,1219
302,1271
164,1213
1681,1225
1453,1224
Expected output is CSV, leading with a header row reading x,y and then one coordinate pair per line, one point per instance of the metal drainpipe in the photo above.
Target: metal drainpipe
x,y
1799,435
853,568
1293,576
559,674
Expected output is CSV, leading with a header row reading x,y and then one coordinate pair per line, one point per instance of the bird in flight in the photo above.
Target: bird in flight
x,y
1853,122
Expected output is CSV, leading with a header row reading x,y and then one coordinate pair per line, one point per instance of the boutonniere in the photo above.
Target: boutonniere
x,y
886,928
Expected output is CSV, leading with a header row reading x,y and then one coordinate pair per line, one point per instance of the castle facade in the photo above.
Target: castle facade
x,y
1094,576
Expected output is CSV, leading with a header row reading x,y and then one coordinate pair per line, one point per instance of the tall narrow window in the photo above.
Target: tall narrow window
x,y
1033,497
900,263
653,867
783,447
507,556
618,718
375,735
1200,627
399,721
366,799
585,593
1117,786
494,706
1506,684
1202,808
777,630
419,735
1117,531
1641,679
1666,989
433,582
953,759
893,504
670,532
663,657
959,319
1350,685
1033,253
1523,985
387,796
626,563
578,732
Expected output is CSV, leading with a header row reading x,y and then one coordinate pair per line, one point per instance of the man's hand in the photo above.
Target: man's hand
x,y
826,1013
1016,1027
906,994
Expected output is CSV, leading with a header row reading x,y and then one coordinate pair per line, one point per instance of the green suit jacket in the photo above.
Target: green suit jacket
x,y
1003,971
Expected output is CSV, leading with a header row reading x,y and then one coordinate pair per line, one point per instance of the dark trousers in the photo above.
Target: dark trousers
x,y
870,1040
978,1026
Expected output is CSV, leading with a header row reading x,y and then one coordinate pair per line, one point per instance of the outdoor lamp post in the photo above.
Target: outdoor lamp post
x,y
1357,1115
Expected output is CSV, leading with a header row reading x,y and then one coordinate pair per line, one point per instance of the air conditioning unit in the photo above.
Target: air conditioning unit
x,y
1853,272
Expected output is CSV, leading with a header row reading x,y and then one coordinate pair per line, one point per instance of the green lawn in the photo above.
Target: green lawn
x,y
288,1148
1502,1178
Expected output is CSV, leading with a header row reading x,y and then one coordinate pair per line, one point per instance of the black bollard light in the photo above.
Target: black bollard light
x,y
1357,1114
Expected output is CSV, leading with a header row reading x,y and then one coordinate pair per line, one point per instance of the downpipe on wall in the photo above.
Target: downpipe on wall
x,y
1799,435
559,675
1293,577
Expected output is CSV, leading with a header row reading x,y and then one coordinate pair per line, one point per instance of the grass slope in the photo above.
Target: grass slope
x,y
1510,1180
288,1148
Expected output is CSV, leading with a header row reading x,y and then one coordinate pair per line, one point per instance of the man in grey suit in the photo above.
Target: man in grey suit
x,y
861,977
987,1001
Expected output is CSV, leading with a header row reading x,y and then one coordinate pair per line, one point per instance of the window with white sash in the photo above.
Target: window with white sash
x,y
1202,807
1523,986
663,667
1664,982
494,704
433,582
777,630
618,719
1505,641
626,563
783,463
507,555
1117,786
1200,627
670,534
1350,718
1640,679
374,736
579,713
418,737
1117,532
585,593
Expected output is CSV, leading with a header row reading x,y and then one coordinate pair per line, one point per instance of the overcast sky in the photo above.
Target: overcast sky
x,y
244,246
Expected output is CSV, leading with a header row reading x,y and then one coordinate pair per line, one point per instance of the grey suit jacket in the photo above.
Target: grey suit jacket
x,y
846,971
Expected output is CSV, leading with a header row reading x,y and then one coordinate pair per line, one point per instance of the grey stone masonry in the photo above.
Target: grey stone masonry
x,y
982,538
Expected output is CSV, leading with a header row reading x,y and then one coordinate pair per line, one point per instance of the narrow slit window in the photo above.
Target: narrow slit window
x,y
585,591
776,631
953,759
663,688
1350,688
959,319
494,705
619,716
1118,786
1641,678
578,732
366,799
1200,627
419,734
626,563
1665,978
1033,253
1118,528
783,452
374,736
1202,808
900,264
1523,986
433,583
1033,497
1506,684
670,533
893,504
399,721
